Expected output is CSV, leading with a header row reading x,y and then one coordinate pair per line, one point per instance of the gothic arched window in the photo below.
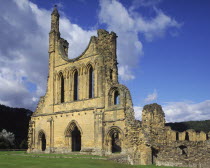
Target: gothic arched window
x,y
76,82
62,88
116,98
187,136
91,82
177,136
111,74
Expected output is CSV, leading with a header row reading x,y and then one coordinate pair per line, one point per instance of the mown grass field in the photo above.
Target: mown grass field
x,y
23,160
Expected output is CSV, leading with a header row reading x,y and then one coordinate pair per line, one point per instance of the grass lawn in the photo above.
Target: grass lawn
x,y
13,159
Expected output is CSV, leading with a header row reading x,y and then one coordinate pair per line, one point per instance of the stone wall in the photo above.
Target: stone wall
x,y
168,147
84,101
86,109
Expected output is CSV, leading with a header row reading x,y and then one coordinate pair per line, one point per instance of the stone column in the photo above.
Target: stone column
x,y
51,139
95,82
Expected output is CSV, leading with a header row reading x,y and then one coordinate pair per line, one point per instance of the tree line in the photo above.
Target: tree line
x,y
14,124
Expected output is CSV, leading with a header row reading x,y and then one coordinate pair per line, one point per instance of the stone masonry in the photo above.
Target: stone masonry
x,y
86,109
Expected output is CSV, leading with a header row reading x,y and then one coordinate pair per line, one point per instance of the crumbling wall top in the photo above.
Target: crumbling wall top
x,y
102,33
153,107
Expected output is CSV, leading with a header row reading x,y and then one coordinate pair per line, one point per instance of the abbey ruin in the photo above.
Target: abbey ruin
x,y
86,109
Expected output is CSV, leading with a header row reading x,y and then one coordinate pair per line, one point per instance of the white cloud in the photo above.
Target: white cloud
x,y
125,73
151,97
182,111
187,111
128,24
138,112
24,45
157,26
73,33
24,50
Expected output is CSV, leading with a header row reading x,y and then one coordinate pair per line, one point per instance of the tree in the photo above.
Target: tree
x,y
24,144
6,139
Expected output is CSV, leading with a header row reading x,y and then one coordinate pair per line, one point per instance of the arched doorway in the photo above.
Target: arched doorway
x,y
42,141
76,139
116,143
73,136
154,155
114,140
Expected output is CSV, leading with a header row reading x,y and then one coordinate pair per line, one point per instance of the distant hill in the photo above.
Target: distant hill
x,y
15,120
196,125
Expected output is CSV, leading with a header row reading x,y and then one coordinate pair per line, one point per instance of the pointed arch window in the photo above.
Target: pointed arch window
x,y
116,98
91,82
177,136
187,136
76,83
62,88
111,74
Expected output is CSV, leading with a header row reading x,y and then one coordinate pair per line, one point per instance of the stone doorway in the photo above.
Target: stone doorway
x,y
42,141
116,144
76,139
154,155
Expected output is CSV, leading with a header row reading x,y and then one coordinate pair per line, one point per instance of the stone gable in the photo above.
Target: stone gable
x,y
86,109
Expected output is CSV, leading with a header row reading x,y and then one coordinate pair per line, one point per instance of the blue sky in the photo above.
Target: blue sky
x,y
163,49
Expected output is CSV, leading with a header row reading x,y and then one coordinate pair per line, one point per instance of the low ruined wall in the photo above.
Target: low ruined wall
x,y
185,154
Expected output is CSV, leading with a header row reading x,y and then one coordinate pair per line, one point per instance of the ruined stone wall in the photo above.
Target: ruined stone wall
x,y
171,148
101,120
185,154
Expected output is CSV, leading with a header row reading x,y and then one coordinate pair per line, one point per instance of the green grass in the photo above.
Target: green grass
x,y
53,155
14,159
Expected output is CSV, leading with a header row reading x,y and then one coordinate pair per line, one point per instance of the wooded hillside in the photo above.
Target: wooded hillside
x,y
15,120
196,125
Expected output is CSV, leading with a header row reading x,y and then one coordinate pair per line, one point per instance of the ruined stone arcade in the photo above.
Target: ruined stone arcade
x,y
86,109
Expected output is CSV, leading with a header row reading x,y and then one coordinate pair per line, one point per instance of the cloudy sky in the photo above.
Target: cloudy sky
x,y
163,49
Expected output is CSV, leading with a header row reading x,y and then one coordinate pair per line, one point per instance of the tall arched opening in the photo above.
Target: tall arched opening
x,y
154,155
116,143
91,82
42,141
73,137
177,136
62,88
116,98
76,83
114,140
76,139
187,136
